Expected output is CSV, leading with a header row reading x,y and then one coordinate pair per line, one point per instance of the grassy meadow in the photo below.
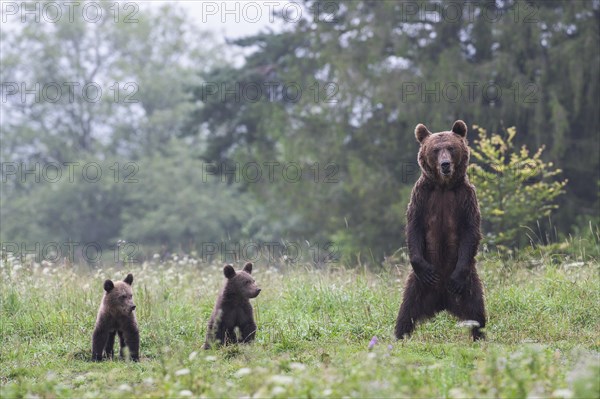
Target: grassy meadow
x,y
314,330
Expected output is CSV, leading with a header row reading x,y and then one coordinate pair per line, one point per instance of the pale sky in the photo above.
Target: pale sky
x,y
234,19
226,18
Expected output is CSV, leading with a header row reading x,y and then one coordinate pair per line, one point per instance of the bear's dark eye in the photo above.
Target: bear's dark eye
x,y
451,149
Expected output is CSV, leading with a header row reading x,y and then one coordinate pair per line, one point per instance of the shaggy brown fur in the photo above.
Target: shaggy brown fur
x,y
233,308
443,235
116,316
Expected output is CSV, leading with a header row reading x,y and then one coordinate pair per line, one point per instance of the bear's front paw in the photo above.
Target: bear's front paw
x,y
428,276
457,284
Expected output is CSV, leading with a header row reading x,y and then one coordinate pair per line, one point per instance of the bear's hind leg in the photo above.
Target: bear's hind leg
x,y
470,306
230,336
218,335
211,332
99,340
110,345
131,337
122,345
416,305
248,331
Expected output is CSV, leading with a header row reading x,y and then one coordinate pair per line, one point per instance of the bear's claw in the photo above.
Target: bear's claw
x,y
428,276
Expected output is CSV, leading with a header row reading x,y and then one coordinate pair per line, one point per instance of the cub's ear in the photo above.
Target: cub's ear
x,y
229,271
421,132
248,267
108,286
460,128
129,279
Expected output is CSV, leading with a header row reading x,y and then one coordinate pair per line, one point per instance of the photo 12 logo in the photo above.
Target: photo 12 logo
x,y
467,11
255,11
274,251
68,92
73,251
471,92
410,171
68,11
54,172
270,91
270,171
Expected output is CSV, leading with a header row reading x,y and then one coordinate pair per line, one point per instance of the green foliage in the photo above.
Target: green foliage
x,y
83,205
143,70
515,188
176,203
314,328
366,128
358,65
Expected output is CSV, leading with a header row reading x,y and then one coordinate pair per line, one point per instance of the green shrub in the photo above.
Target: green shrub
x,y
515,188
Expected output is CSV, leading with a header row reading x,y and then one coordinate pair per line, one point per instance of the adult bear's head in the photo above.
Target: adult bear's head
x,y
444,156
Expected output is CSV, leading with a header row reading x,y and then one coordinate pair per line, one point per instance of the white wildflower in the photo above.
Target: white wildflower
x,y
468,324
281,379
457,393
562,393
297,366
125,388
182,372
242,372
573,264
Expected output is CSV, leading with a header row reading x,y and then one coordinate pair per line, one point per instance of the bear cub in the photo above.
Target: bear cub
x,y
443,235
116,316
233,309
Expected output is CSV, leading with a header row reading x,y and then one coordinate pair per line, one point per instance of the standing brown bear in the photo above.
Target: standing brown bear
x,y
233,308
116,315
443,235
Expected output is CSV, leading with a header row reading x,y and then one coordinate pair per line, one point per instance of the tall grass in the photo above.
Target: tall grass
x,y
314,328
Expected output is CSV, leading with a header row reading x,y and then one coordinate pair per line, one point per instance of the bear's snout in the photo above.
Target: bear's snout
x,y
132,308
445,166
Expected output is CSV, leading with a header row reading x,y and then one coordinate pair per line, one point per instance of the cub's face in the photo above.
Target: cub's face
x,y
443,155
118,297
241,282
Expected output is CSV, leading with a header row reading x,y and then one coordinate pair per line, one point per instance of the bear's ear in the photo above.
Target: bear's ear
x,y
129,279
248,267
421,132
229,271
460,128
108,286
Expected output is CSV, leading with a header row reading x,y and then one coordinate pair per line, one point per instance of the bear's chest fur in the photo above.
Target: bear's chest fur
x,y
442,223
113,320
235,313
